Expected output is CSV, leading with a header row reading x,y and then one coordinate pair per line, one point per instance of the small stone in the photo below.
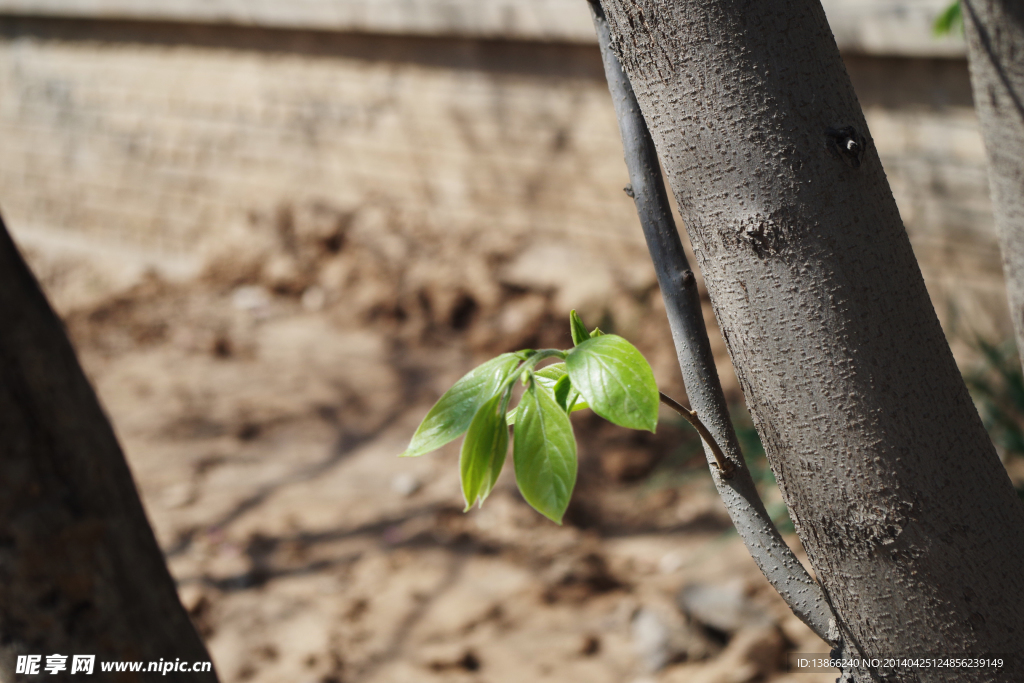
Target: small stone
x,y
178,495
250,298
671,562
652,639
725,608
405,484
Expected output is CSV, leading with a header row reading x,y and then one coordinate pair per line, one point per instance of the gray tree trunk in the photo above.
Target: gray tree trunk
x,y
80,569
693,348
995,47
906,513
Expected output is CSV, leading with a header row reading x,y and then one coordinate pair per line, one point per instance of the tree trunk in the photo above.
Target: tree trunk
x,y
995,47
906,513
80,569
693,349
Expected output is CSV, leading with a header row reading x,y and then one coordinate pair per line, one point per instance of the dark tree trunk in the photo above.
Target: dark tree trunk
x,y
80,569
906,513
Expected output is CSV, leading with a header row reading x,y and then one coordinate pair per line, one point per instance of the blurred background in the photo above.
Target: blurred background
x,y
278,230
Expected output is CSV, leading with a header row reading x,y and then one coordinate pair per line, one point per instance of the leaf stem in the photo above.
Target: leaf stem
x,y
725,466
531,362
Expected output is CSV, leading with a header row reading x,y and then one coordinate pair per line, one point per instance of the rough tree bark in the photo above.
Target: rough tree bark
x,y
80,569
693,349
906,513
995,47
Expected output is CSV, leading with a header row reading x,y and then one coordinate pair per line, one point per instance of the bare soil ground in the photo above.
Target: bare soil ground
x,y
262,403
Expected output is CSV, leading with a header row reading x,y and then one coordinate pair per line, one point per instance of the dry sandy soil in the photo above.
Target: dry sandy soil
x,y
262,401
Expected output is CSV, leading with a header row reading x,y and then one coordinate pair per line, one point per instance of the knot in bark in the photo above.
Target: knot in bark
x,y
846,144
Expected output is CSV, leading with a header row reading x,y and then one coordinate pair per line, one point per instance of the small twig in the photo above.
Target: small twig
x,y
725,465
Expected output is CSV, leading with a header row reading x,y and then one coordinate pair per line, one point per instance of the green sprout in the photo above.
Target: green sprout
x,y
602,372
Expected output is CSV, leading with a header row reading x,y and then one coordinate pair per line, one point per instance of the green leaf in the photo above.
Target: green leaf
x,y
483,451
451,415
949,19
561,391
578,329
510,416
544,453
561,388
547,378
616,380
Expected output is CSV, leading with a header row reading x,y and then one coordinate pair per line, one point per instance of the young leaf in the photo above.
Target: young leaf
x,y
453,412
483,451
578,329
577,404
544,453
555,379
561,391
615,380
547,376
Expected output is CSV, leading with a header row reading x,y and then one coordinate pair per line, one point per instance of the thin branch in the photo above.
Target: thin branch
x,y
725,465
700,376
